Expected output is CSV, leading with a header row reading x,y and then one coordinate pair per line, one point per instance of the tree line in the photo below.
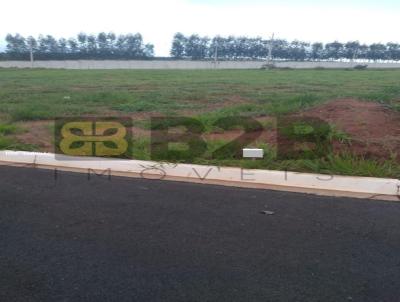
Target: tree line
x,y
195,47
83,46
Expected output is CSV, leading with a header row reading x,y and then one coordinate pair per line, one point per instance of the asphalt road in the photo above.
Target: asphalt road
x,y
75,239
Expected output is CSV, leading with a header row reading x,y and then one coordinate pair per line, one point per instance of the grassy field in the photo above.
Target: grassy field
x,y
29,98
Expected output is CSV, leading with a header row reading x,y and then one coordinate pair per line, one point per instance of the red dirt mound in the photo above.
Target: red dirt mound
x,y
374,128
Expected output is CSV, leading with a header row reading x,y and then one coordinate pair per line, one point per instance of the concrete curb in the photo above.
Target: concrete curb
x,y
332,185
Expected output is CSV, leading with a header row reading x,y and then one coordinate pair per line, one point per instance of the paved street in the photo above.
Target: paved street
x,y
72,238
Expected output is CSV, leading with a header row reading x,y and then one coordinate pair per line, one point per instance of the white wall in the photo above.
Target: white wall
x,y
172,64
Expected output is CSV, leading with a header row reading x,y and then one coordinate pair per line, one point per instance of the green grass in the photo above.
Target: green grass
x,y
9,142
44,94
27,95
343,164
7,129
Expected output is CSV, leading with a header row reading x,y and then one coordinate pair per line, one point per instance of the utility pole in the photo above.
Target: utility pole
x,y
216,55
31,53
270,45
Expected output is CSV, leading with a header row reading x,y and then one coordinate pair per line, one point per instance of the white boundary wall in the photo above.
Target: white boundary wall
x,y
173,64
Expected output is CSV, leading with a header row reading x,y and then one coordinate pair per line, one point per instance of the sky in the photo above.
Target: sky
x,y
368,21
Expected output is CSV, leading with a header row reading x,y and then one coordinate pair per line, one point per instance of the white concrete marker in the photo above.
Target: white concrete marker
x,y
332,185
253,153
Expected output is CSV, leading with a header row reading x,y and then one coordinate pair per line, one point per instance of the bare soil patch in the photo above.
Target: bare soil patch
x,y
374,128
38,133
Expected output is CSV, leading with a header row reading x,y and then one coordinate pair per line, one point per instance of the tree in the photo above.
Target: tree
x,y
102,43
196,47
63,45
31,43
363,52
334,50
352,50
91,44
280,49
148,51
73,46
111,38
178,46
48,44
221,44
393,51
317,51
16,44
297,50
256,48
377,51
215,48
133,45
82,39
